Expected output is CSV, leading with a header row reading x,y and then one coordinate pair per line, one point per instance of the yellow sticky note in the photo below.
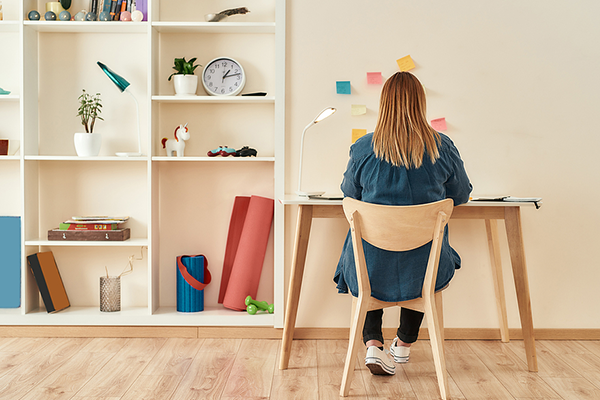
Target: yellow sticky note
x,y
357,134
405,63
358,109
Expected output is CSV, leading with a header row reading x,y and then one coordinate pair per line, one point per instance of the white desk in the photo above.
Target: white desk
x,y
490,212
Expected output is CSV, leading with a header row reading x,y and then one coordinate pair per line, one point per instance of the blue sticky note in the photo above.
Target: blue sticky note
x,y
343,87
10,262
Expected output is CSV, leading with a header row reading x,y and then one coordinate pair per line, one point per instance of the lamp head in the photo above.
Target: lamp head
x,y
324,114
117,79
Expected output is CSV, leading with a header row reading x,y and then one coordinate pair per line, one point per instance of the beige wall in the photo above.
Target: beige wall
x,y
518,84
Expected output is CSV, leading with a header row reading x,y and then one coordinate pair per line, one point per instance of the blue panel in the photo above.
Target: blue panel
x,y
10,262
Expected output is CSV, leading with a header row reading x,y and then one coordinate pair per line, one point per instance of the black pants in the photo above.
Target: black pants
x,y
410,322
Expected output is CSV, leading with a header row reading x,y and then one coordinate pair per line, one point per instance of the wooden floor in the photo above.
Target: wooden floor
x,y
110,369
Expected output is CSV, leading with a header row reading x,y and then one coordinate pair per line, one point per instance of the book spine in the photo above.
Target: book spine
x,y
87,227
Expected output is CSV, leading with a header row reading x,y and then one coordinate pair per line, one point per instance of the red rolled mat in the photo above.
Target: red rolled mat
x,y
236,224
250,254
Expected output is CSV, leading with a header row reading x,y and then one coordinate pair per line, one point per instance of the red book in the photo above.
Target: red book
x,y
87,227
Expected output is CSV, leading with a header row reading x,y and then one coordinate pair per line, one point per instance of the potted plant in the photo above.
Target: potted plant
x,y
184,80
87,144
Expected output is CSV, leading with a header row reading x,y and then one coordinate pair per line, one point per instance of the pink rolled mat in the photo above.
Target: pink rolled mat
x,y
247,248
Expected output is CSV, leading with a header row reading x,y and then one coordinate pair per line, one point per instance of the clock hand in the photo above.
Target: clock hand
x,y
229,76
225,76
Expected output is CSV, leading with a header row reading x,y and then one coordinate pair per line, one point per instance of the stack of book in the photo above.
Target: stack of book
x,y
103,228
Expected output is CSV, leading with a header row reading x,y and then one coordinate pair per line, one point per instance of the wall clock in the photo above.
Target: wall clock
x,y
223,76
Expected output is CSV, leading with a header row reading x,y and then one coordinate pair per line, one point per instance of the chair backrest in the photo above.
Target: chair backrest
x,y
397,228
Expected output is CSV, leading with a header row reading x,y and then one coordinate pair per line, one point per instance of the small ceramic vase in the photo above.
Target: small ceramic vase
x,y
33,15
87,144
185,85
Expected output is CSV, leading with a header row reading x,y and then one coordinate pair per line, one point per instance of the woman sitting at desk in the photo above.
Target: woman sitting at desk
x,y
404,162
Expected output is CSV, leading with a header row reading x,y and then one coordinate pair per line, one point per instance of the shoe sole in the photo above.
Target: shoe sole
x,y
377,367
398,359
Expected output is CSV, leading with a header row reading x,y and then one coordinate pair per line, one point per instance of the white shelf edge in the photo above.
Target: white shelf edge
x,y
9,158
215,159
87,26
135,316
214,27
133,242
9,97
77,158
214,99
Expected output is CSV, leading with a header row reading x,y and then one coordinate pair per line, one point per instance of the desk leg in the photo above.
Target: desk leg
x,y
514,233
303,225
491,227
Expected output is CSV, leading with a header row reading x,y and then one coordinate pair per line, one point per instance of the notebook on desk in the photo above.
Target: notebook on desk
x,y
328,196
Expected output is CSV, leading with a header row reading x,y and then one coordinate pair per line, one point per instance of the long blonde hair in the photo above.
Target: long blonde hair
x,y
402,134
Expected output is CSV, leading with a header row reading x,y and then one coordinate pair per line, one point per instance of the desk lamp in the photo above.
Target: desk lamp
x,y
322,115
122,84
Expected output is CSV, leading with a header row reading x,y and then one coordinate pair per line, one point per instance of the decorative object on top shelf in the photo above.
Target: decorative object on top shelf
x,y
125,16
33,15
2,91
322,115
50,16
185,82
176,145
226,13
252,306
137,16
55,7
88,144
1,11
246,152
223,76
90,16
3,147
104,16
80,16
123,85
66,4
223,151
64,16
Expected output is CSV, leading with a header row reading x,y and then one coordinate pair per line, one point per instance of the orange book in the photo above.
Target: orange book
x,y
49,281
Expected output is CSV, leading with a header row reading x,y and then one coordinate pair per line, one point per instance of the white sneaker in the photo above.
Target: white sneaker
x,y
400,353
379,362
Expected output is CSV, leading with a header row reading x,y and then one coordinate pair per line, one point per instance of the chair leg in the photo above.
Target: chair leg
x,y
439,304
437,345
358,321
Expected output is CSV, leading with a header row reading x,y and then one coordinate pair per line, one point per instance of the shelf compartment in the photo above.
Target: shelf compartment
x,y
214,27
216,159
215,99
133,242
87,26
212,316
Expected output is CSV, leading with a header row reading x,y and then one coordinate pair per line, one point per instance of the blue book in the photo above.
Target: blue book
x,y
10,262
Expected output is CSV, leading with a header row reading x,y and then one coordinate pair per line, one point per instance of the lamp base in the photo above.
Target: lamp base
x,y
306,194
129,154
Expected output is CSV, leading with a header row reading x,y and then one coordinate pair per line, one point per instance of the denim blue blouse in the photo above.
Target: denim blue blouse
x,y
398,276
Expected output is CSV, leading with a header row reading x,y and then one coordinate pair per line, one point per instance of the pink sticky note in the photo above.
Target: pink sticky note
x,y
374,78
439,124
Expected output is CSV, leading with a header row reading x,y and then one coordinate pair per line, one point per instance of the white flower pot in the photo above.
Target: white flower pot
x,y
87,144
185,85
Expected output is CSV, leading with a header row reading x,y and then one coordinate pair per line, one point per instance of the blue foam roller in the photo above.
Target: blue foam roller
x,y
10,262
188,298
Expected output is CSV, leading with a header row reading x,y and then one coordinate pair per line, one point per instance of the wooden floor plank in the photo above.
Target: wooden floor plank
x,y
511,371
253,370
331,355
209,371
420,372
115,378
303,359
474,379
174,358
577,357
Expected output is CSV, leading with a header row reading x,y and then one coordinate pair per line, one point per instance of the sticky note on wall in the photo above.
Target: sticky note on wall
x,y
374,78
343,87
439,124
358,109
357,134
405,63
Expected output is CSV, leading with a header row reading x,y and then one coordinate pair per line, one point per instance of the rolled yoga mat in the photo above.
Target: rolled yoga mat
x,y
244,275
192,278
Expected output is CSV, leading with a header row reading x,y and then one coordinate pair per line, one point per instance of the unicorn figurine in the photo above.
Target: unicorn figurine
x,y
177,144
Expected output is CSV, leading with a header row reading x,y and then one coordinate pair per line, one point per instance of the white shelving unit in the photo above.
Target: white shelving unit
x,y
176,205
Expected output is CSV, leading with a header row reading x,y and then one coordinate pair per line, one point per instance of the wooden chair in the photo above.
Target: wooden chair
x,y
398,228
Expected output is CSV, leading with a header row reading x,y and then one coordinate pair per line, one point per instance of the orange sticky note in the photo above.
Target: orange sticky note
x,y
439,124
405,63
357,134
374,78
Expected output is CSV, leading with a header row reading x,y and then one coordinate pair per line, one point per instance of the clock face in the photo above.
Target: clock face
x,y
223,76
